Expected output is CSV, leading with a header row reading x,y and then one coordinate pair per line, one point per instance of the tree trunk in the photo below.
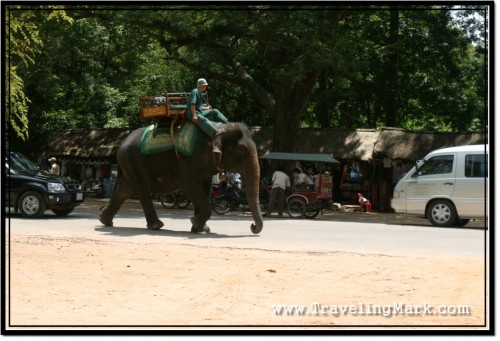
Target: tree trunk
x,y
286,122
323,113
392,72
290,103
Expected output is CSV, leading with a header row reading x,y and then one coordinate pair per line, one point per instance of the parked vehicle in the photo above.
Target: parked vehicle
x,y
448,187
32,191
302,201
226,199
229,200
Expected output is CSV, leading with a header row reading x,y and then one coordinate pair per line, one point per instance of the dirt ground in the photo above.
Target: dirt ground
x,y
81,283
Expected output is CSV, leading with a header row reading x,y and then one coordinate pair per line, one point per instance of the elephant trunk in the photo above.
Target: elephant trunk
x,y
252,180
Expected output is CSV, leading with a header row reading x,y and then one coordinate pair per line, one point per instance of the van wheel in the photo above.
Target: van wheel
x,y
442,213
462,222
31,205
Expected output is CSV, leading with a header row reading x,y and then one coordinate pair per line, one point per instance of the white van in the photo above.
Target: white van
x,y
449,186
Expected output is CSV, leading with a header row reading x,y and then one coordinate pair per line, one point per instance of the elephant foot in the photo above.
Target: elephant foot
x,y
105,222
204,229
155,226
199,227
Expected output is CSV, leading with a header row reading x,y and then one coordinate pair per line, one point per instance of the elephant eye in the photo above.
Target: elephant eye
x,y
238,150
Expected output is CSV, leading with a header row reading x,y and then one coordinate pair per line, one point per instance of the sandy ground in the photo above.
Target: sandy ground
x,y
72,282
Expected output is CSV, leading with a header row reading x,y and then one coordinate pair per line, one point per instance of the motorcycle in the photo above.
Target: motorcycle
x,y
231,198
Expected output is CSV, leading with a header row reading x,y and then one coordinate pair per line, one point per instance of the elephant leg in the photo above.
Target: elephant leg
x,y
153,222
202,208
199,223
121,193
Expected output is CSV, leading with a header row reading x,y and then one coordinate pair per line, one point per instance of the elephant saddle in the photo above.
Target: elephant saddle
x,y
182,139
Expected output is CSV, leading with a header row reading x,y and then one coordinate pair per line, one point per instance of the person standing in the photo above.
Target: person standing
x,y
201,113
281,181
54,167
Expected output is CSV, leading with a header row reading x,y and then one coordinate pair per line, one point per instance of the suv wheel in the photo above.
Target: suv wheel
x,y
63,211
31,205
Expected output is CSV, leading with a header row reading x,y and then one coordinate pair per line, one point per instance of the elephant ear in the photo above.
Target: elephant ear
x,y
237,145
231,134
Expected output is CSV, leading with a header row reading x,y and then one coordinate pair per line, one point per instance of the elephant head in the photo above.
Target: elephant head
x,y
239,154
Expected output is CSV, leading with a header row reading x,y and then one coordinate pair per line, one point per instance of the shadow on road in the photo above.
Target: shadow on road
x,y
134,231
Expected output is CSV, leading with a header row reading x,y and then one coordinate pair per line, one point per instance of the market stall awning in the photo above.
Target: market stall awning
x,y
327,158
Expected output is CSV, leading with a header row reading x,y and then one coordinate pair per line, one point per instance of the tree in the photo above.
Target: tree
x,y
287,66
275,55
23,46
435,75
90,76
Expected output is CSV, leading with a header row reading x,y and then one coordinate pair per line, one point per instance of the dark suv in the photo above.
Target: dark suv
x,y
32,191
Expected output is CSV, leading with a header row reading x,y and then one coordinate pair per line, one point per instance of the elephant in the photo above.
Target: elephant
x,y
166,172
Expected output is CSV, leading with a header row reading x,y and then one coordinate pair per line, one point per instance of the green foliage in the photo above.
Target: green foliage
x,y
24,43
17,105
87,67
441,74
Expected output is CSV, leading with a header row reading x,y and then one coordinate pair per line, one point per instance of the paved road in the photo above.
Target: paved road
x,y
384,234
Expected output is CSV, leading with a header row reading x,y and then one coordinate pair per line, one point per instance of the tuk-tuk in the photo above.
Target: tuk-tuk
x,y
303,201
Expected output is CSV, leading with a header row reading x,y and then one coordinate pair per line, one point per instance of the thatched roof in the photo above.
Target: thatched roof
x,y
407,145
341,144
97,143
361,144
